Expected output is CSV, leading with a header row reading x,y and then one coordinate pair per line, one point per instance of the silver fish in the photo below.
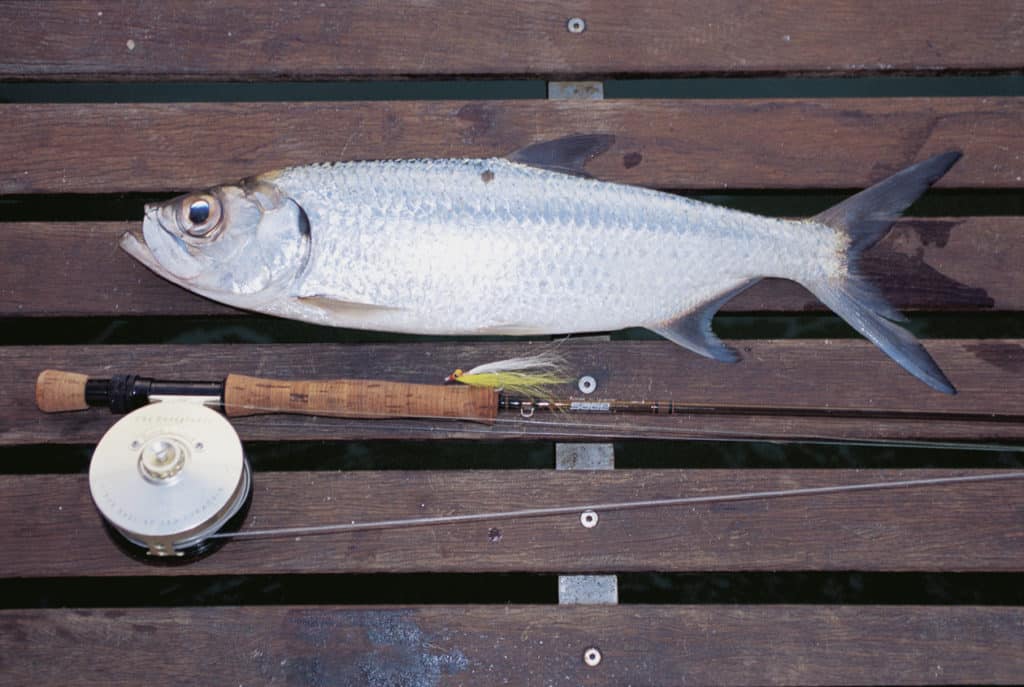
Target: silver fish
x,y
518,245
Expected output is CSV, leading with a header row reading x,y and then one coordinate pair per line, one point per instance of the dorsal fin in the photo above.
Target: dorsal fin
x,y
568,154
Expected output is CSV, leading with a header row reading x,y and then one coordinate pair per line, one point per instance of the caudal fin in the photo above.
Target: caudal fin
x,y
865,218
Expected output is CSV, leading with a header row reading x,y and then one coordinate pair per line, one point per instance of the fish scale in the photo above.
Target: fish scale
x,y
518,246
451,253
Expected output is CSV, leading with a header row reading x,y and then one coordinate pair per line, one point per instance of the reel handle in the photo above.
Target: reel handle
x,y
357,398
58,391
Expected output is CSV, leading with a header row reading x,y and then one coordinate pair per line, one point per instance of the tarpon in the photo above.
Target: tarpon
x,y
518,245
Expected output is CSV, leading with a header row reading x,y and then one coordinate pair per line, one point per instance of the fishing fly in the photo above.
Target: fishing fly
x,y
528,376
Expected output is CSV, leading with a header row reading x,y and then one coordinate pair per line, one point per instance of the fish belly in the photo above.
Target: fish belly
x,y
490,246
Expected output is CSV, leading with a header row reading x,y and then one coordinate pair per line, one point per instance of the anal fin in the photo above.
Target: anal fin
x,y
693,330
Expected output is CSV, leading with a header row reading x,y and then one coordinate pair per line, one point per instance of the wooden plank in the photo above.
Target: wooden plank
x,y
278,40
52,528
487,645
962,264
803,374
679,144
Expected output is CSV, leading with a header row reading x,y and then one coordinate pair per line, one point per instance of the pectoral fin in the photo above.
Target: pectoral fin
x,y
341,307
693,330
510,330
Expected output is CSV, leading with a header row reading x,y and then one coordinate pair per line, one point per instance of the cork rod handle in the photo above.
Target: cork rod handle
x,y
357,398
57,391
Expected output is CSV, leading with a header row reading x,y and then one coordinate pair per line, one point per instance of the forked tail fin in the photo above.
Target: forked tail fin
x,y
865,218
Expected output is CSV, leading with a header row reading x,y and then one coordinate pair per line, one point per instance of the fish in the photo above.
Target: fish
x,y
526,244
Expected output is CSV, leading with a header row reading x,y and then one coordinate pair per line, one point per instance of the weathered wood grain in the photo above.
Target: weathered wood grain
x,y
52,529
676,144
962,264
805,374
524,645
278,40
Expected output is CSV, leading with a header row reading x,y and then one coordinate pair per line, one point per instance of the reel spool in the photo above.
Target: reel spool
x,y
167,476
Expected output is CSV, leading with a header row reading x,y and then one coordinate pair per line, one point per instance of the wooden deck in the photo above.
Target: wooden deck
x,y
475,604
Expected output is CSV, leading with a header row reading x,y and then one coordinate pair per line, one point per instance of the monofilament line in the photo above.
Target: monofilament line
x,y
611,506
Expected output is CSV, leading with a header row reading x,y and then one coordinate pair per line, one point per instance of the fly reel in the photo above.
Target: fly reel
x,y
167,476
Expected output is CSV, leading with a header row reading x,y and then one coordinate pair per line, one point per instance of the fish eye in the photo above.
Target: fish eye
x,y
199,212
199,216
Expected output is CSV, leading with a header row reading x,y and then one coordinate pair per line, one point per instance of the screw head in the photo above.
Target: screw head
x,y
588,519
161,459
586,384
576,25
592,656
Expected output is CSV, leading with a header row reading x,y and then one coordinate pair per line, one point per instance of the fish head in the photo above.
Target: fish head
x,y
232,243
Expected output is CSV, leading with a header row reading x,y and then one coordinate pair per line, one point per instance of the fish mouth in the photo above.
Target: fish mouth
x,y
165,254
133,242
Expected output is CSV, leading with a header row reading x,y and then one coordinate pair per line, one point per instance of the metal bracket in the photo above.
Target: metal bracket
x,y
575,90
584,457
596,590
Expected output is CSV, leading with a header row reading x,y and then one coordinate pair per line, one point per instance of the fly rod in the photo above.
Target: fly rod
x,y
241,395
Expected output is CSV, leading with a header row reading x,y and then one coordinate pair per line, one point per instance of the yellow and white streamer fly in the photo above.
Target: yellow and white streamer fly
x,y
528,376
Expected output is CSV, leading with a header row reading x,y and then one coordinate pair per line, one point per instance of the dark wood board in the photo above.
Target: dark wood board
x,y
673,144
284,40
52,529
522,645
805,374
961,264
